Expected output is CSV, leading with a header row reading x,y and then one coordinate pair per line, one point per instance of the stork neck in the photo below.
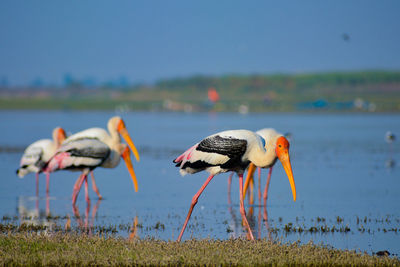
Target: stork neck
x,y
263,157
258,156
115,137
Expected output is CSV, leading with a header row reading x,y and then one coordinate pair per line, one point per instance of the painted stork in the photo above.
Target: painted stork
x,y
37,154
277,147
92,148
222,152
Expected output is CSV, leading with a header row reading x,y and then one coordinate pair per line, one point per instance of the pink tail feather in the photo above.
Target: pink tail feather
x,y
56,163
186,155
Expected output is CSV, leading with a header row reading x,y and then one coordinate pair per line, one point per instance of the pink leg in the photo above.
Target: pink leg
x,y
259,203
47,182
229,188
75,193
267,186
259,186
37,184
47,205
95,189
76,185
87,190
242,210
194,202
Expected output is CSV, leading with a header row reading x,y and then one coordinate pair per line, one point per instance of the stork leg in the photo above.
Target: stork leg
x,y
194,202
47,205
242,210
37,184
77,187
259,186
265,196
259,203
47,182
87,190
95,189
229,188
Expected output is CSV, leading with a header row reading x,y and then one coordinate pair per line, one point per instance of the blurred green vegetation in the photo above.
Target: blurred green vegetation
x,y
339,91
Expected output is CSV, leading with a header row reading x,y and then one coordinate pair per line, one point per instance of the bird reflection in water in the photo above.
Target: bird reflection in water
x,y
133,231
31,213
236,225
34,216
84,224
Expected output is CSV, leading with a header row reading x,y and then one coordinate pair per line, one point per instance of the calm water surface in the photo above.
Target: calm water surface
x,y
347,179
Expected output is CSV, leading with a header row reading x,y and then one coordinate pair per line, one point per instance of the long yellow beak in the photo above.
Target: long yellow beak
x,y
250,175
285,160
124,132
126,155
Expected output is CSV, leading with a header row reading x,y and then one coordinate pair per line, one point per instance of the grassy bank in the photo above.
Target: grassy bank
x,y
57,249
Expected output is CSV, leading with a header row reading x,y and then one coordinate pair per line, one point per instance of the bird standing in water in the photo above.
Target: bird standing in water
x,y
92,148
38,153
223,152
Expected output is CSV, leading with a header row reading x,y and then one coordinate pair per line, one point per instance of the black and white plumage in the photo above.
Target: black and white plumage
x,y
92,148
38,153
222,152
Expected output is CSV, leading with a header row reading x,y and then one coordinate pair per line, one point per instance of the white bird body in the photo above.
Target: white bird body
x,y
38,153
221,152
35,156
105,150
92,148
226,151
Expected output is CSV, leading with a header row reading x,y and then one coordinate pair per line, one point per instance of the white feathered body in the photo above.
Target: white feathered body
x,y
35,156
87,149
226,151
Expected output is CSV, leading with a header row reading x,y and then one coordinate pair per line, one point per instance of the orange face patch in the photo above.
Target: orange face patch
x,y
282,142
121,125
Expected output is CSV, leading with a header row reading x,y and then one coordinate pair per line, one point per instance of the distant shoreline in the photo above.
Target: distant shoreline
x,y
370,91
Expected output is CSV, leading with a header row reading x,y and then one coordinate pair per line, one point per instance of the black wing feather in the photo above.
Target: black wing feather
x,y
228,146
86,148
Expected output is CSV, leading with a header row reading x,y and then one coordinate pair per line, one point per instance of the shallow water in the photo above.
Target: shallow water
x,y
346,178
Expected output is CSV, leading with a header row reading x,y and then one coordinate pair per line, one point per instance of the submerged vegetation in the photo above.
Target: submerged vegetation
x,y
80,249
348,91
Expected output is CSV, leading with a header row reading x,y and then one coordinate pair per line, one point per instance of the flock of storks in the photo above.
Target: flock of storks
x,y
228,151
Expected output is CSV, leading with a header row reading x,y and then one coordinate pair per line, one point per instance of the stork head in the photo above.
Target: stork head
x,y
59,136
117,124
282,152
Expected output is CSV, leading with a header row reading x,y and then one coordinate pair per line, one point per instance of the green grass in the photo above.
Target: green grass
x,y
60,248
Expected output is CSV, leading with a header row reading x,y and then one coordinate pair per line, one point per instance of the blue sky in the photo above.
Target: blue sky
x,y
149,40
